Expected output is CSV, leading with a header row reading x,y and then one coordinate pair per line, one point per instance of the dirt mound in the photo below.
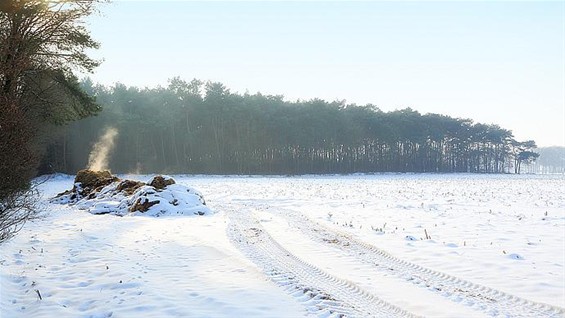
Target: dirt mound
x,y
129,186
90,178
100,192
160,182
142,205
91,182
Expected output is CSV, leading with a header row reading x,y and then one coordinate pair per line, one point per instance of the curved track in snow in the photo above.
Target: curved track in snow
x,y
323,294
484,299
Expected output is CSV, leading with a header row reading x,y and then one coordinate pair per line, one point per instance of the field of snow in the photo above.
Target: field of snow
x,y
392,245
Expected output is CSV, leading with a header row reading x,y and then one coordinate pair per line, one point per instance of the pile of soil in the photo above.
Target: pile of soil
x,y
142,205
100,192
129,186
89,182
159,182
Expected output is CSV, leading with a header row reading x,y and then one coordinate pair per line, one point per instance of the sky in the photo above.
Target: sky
x,y
494,62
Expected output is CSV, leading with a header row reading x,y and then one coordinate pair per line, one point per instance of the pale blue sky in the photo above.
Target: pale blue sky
x,y
493,62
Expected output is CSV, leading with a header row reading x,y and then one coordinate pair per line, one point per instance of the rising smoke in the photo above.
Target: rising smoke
x,y
100,154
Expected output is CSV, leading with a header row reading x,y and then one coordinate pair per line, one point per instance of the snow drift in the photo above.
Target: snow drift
x,y
99,192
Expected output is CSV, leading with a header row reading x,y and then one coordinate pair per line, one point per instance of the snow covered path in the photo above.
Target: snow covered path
x,y
325,294
487,300
316,246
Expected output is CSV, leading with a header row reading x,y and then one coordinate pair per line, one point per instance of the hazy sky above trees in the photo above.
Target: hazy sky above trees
x,y
493,62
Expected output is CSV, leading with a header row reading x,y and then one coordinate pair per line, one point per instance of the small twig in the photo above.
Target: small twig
x,y
39,294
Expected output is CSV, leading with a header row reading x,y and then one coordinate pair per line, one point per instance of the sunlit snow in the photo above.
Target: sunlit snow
x,y
503,235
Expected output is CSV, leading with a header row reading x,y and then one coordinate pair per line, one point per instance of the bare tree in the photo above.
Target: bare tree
x,y
15,209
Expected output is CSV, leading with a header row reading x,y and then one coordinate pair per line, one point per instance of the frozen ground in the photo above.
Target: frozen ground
x,y
319,246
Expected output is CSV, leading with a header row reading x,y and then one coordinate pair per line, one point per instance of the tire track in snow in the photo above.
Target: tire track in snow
x,y
323,294
488,300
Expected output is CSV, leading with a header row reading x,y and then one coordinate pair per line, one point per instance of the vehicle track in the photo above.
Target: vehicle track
x,y
485,299
323,294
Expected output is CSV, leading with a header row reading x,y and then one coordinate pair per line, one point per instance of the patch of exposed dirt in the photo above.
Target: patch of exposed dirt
x,y
129,186
142,205
159,182
91,182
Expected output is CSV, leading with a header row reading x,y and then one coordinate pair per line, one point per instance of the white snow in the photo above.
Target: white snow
x,y
504,232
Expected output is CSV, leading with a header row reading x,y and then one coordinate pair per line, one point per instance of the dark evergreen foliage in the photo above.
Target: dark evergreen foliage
x,y
196,127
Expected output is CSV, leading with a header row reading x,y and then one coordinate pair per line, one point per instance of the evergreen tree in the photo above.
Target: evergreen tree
x,y
196,127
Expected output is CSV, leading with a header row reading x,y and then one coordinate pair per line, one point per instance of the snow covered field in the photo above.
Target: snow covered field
x,y
316,246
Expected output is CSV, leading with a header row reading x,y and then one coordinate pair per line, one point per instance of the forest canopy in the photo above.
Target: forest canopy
x,y
203,127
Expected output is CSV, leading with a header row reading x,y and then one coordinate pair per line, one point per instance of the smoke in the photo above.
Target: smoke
x,y
138,169
99,156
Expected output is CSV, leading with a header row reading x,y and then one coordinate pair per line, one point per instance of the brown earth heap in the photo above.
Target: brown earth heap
x,y
142,205
129,186
89,183
92,181
160,183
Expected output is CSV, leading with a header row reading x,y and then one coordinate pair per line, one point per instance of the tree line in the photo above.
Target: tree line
x,y
551,161
203,127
